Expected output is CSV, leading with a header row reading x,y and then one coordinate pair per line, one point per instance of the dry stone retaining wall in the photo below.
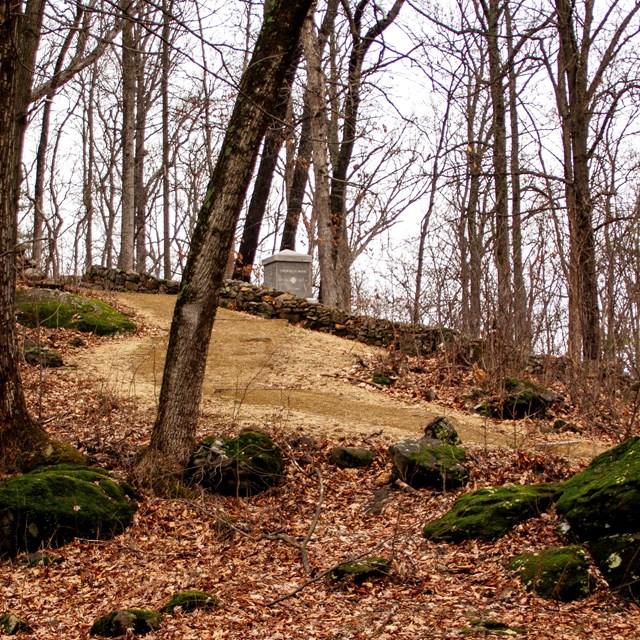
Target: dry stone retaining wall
x,y
270,303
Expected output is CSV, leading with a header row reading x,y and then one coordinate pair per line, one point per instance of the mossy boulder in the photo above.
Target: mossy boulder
x,y
351,457
618,558
122,622
489,514
554,574
11,625
604,499
53,505
360,571
429,463
57,309
381,378
441,428
190,601
519,399
43,357
242,466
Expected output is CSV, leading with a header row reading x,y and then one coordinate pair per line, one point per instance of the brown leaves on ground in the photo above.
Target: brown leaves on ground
x,y
237,549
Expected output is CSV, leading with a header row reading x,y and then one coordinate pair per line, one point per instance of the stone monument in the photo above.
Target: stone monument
x,y
289,271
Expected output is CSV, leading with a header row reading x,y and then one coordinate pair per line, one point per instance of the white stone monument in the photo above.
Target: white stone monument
x,y
289,271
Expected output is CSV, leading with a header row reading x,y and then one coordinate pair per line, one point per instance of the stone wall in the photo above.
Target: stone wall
x,y
269,303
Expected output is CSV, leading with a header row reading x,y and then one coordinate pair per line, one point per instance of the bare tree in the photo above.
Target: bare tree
x,y
173,435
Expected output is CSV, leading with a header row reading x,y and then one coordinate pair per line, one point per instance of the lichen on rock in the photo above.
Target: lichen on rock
x,y
604,499
351,457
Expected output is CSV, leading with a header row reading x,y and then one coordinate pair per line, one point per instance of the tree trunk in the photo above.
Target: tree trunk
x,y
127,225
20,436
320,156
273,140
298,183
167,8
173,436
502,314
341,253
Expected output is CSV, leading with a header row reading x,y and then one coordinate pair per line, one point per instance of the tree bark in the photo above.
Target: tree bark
x,y
173,436
127,223
20,436
273,140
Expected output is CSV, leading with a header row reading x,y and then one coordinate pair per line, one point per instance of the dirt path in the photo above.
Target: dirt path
x,y
270,372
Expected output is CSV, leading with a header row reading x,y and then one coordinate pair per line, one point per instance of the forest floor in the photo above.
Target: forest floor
x,y
290,382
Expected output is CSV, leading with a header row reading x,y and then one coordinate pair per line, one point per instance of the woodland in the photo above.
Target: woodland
x,y
470,165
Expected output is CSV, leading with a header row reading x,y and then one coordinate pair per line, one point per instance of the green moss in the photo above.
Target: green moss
x,y
51,506
190,601
604,499
117,623
43,357
382,378
57,309
360,571
520,398
429,463
490,513
352,457
244,465
54,453
10,625
555,574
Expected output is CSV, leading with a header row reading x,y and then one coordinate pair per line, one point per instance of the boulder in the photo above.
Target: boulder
x,y
429,463
520,399
11,625
43,357
604,499
189,601
441,428
57,309
243,466
490,513
360,571
351,457
53,505
618,558
125,622
554,574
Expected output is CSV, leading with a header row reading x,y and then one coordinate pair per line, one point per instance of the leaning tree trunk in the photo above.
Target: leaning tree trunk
x,y
275,136
20,436
173,436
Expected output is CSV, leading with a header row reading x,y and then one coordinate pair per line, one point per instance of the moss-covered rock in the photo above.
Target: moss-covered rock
x,y
429,463
604,499
520,398
57,309
243,466
490,513
124,621
554,574
43,357
351,457
11,625
360,571
381,378
51,506
618,558
53,453
442,429
190,601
